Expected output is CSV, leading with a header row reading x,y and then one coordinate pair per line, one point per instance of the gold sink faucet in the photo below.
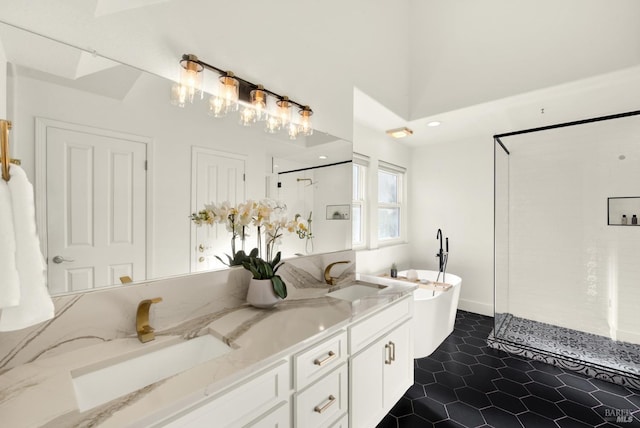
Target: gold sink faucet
x,y
327,272
145,331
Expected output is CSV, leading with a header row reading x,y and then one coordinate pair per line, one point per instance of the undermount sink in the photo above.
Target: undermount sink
x,y
96,386
356,291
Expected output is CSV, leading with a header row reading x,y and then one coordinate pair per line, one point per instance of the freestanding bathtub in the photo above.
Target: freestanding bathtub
x,y
434,311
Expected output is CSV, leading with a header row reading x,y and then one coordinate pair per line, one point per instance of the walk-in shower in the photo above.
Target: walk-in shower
x,y
567,263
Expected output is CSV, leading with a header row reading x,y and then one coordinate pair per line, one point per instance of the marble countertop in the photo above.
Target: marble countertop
x,y
41,393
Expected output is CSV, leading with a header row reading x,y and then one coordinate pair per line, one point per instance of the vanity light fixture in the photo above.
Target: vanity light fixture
x,y
237,94
399,132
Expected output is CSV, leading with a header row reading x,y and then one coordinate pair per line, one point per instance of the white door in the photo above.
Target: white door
x,y
216,177
96,210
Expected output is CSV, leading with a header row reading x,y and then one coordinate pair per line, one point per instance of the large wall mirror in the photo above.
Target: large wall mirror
x,y
118,169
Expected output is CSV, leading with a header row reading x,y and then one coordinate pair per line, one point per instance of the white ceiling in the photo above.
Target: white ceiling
x,y
478,67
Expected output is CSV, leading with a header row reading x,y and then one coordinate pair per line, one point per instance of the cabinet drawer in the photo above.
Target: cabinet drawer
x,y
368,330
239,404
323,402
278,418
314,362
343,422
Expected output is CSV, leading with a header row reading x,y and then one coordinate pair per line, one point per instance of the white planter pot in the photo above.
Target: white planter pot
x,y
261,294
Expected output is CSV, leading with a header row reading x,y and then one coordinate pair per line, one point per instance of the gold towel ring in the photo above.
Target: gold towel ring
x,y
5,126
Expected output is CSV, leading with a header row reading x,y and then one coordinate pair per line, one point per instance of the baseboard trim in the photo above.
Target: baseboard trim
x,y
475,307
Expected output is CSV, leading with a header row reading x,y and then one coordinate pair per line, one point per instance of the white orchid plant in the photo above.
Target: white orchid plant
x,y
269,217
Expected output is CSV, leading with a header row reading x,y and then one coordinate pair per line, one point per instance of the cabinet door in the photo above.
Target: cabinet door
x,y
398,375
366,386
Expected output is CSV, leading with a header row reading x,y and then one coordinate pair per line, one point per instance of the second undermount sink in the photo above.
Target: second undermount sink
x,y
356,291
96,386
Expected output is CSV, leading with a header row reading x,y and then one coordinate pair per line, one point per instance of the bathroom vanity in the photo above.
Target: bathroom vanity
x,y
313,361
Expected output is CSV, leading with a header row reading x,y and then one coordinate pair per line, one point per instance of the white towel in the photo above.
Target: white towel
x,y
35,305
9,282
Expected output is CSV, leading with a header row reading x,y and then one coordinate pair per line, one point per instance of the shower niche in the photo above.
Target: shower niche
x,y
565,283
623,211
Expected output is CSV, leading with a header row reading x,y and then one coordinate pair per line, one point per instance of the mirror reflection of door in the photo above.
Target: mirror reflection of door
x,y
99,179
216,177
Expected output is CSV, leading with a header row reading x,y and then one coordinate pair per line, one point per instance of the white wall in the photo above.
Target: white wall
x,y
452,189
379,147
567,267
3,83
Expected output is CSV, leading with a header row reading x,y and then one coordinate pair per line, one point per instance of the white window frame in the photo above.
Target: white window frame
x,y
361,200
400,173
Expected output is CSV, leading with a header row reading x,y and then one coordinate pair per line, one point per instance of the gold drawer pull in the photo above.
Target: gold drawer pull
x,y
387,347
330,356
393,350
321,409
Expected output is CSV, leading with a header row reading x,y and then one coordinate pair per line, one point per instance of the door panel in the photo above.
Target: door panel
x,y
217,177
103,182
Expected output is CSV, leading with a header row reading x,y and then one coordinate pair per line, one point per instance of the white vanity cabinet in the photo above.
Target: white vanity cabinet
x,y
381,363
261,401
321,379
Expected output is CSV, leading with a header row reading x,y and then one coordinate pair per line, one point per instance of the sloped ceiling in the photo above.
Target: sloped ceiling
x,y
412,60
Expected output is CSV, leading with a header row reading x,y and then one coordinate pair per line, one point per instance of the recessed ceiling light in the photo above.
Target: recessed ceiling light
x,y
322,157
434,123
400,132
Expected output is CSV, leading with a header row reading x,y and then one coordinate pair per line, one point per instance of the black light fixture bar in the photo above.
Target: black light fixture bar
x,y
194,58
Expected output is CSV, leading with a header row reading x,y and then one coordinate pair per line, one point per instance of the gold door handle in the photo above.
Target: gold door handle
x,y
393,350
330,356
387,351
320,409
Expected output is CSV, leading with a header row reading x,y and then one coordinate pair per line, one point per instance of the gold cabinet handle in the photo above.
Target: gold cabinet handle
x,y
387,351
201,248
330,356
320,409
201,259
393,350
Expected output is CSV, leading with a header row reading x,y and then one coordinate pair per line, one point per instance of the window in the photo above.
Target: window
x,y
390,211
358,206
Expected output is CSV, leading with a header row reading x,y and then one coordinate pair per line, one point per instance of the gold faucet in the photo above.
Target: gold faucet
x,y
145,331
327,272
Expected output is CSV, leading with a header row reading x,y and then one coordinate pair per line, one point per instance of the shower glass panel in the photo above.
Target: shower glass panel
x,y
567,276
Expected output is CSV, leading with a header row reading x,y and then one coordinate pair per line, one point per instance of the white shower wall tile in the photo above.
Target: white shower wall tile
x,y
566,266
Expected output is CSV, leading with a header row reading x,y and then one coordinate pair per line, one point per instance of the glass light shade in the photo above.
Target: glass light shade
x,y
272,124
191,78
217,107
178,95
258,99
306,127
293,131
284,111
247,116
229,91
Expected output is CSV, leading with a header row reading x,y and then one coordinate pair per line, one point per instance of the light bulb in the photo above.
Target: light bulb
x,y
293,131
258,99
247,116
306,127
178,95
216,107
229,91
191,77
272,125
284,110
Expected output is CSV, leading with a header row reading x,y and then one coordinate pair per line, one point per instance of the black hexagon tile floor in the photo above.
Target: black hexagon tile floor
x,y
465,383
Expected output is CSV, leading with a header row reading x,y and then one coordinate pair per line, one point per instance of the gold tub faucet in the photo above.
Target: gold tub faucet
x,y
145,331
327,272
